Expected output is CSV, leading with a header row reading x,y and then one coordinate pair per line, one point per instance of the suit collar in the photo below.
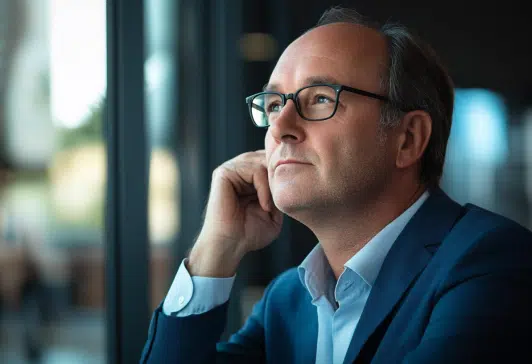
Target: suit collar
x,y
406,259
368,261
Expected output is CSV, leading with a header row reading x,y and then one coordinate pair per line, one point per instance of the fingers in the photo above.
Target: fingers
x,y
249,176
260,181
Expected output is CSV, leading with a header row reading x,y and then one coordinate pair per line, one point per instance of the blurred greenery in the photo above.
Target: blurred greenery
x,y
74,143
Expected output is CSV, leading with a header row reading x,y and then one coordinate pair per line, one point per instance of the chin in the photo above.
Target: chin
x,y
291,202
294,195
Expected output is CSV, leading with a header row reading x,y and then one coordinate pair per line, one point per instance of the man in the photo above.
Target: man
x,y
358,119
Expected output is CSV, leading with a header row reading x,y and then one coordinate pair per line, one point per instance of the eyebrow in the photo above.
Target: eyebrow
x,y
309,81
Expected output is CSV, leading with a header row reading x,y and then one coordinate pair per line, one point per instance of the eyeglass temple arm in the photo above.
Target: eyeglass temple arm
x,y
375,96
365,93
255,106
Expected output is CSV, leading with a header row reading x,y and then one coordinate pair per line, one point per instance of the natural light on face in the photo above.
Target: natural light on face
x,y
77,59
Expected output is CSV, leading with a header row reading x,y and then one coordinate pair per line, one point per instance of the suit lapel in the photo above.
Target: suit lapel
x,y
405,261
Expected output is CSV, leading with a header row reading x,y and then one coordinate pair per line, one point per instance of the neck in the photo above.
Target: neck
x,y
344,233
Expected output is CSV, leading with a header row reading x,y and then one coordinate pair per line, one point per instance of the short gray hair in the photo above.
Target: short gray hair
x,y
415,79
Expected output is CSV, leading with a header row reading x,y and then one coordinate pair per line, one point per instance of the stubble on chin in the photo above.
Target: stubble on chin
x,y
290,197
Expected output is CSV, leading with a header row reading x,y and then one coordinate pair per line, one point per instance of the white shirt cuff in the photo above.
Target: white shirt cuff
x,y
194,295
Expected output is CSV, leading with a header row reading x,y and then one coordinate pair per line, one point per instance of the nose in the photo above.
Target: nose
x,y
287,127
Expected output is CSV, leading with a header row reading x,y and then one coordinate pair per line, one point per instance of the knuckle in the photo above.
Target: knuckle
x,y
245,164
219,171
247,155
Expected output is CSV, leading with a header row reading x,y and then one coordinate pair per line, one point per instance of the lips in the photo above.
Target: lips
x,y
289,161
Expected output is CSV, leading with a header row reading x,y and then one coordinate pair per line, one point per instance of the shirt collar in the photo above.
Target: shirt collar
x,y
315,272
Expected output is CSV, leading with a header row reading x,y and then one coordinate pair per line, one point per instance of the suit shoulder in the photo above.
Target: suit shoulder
x,y
483,242
490,222
288,279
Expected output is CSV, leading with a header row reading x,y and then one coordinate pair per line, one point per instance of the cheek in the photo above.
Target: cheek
x,y
351,150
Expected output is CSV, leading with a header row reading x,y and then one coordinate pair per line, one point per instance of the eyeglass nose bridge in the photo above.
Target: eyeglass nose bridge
x,y
292,97
287,97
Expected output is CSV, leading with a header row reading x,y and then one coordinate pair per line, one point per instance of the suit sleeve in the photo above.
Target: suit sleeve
x,y
195,339
484,311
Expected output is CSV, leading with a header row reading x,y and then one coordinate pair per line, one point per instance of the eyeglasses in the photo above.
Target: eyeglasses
x,y
313,103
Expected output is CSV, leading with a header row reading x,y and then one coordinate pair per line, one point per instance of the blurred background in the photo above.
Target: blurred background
x,y
113,115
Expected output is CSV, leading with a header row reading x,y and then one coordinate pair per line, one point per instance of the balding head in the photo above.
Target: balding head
x,y
351,54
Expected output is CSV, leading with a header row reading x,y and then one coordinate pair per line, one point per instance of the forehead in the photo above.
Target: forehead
x,y
348,54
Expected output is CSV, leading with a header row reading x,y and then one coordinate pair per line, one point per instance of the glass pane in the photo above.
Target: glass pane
x,y
52,181
163,198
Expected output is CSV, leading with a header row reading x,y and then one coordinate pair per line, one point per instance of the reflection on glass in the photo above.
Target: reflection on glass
x,y
52,183
163,214
477,148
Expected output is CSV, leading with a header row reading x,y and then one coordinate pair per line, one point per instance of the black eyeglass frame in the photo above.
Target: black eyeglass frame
x,y
293,97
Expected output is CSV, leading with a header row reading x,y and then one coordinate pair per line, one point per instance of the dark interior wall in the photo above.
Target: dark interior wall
x,y
484,44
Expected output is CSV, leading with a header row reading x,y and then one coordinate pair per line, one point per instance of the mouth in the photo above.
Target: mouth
x,y
289,162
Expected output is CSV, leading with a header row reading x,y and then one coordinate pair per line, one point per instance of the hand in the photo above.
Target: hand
x,y
240,216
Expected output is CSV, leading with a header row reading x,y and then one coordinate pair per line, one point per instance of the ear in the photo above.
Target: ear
x,y
414,134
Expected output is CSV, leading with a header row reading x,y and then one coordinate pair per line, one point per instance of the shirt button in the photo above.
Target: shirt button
x,y
181,300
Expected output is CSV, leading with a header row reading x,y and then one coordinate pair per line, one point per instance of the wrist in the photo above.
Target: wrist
x,y
213,259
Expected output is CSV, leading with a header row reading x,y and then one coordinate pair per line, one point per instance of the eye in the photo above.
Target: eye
x,y
274,107
322,99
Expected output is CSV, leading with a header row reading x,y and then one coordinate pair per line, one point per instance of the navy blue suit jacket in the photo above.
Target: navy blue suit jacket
x,y
456,286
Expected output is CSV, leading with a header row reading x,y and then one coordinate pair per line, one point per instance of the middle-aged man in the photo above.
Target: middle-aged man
x,y
357,119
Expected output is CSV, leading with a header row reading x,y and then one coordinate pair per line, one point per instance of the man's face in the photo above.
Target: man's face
x,y
346,157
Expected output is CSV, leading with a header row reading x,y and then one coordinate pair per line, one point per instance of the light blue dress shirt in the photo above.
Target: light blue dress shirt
x,y
339,304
